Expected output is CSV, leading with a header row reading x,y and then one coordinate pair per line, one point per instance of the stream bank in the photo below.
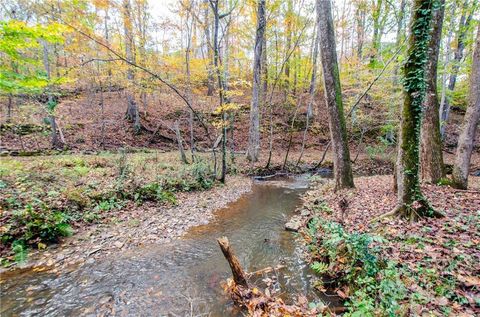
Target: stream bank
x,y
179,277
394,267
134,226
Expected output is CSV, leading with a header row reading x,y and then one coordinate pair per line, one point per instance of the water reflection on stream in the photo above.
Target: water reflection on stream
x,y
178,279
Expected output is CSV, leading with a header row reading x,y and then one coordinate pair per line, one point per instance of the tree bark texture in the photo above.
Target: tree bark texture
x,y
333,97
253,150
431,150
470,123
237,271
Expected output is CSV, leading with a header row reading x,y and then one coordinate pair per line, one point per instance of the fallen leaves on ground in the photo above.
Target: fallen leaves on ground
x,y
440,255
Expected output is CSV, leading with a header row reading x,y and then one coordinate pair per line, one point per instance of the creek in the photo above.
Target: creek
x,y
182,278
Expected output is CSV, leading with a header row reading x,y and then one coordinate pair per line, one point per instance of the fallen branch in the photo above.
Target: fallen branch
x,y
266,270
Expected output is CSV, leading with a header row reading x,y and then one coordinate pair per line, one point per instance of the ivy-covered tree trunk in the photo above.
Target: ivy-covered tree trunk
x,y
472,116
253,150
431,155
342,168
411,202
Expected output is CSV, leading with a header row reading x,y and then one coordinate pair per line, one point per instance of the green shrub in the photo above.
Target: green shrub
x,y
20,251
154,192
34,225
202,173
109,204
380,150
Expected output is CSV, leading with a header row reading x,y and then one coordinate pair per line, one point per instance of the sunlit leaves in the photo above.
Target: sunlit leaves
x,y
20,69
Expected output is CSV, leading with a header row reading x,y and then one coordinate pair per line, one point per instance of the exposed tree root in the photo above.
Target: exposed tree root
x,y
418,210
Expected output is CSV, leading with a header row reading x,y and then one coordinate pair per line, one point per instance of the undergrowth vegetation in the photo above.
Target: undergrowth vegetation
x,y
385,268
351,263
45,198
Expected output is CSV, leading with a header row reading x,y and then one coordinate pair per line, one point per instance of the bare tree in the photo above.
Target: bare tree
x,y
132,108
253,150
222,87
360,20
333,97
431,156
470,123
210,77
190,27
51,102
313,86
465,21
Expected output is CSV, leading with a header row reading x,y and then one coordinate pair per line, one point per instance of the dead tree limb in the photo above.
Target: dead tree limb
x,y
237,271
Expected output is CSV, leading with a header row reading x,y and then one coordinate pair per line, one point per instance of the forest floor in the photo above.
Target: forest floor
x,y
119,200
134,226
424,268
140,193
88,128
108,202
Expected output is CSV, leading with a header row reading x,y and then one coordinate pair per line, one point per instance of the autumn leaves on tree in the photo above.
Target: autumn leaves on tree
x,y
283,70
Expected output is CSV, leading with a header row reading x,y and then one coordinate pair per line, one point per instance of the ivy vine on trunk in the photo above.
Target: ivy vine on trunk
x,y
411,202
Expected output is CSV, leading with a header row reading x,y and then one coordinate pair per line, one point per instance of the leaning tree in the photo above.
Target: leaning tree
x,y
342,168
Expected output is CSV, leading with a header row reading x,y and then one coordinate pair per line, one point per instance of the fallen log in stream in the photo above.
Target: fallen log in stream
x,y
260,303
238,274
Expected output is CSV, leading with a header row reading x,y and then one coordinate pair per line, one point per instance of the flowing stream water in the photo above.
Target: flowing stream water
x,y
178,279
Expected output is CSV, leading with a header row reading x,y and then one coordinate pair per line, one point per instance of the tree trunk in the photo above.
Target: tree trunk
x,y
431,156
377,32
132,113
470,124
411,203
264,70
288,18
51,103
360,21
188,92
9,108
400,35
210,77
333,97
446,63
178,136
253,150
312,88
221,85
